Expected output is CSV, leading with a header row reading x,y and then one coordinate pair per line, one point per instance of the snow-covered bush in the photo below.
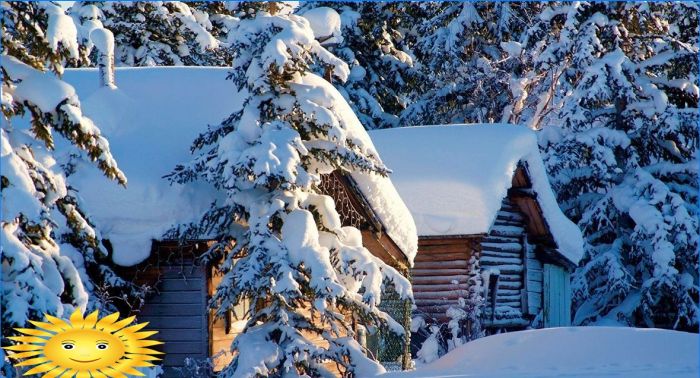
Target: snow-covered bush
x,y
281,245
53,259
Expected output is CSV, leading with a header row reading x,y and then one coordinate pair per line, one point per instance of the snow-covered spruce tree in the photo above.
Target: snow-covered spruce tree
x,y
280,243
371,41
157,33
463,50
52,257
612,85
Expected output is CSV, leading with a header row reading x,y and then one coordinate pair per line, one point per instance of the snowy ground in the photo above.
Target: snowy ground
x,y
571,352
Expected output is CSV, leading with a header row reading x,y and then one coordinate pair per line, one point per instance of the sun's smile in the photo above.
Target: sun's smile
x,y
84,347
76,360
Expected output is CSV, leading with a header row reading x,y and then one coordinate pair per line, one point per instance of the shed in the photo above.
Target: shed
x,y
150,121
482,190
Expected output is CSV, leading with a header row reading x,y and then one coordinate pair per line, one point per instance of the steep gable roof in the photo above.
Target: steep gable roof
x,y
453,178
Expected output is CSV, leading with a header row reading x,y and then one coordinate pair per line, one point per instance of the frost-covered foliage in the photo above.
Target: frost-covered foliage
x,y
156,33
281,245
52,257
613,86
372,42
464,50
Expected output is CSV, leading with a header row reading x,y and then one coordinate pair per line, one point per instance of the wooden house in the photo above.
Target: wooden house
x,y
178,305
481,190
150,134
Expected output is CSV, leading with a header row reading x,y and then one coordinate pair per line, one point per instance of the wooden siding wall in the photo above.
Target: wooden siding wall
x,y
177,310
533,281
502,252
440,273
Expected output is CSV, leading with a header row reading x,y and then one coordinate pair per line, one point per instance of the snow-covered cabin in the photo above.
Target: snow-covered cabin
x,y
482,190
151,120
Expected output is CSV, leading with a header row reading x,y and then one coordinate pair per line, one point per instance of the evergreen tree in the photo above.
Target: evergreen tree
x,y
157,33
52,257
464,51
612,85
373,44
280,242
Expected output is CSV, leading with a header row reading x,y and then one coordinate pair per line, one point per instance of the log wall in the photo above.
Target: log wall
x,y
440,273
503,255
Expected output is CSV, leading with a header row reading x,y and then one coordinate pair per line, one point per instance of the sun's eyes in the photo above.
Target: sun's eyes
x,y
102,346
68,346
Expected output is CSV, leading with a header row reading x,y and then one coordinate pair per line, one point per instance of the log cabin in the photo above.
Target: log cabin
x,y
482,191
151,133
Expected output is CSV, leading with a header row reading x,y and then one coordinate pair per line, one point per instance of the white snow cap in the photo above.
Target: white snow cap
x,y
150,122
325,22
454,177
103,39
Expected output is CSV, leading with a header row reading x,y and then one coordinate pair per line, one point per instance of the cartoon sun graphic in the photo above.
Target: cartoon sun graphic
x,y
84,347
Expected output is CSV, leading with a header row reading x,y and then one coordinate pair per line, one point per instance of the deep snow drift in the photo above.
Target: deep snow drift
x,y
571,352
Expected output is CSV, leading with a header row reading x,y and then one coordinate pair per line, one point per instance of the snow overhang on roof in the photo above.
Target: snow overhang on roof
x,y
151,121
453,178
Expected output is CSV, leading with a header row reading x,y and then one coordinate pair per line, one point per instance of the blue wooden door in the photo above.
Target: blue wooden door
x,y
557,296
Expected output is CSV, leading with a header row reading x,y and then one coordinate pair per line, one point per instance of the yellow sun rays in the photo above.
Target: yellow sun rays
x,y
84,347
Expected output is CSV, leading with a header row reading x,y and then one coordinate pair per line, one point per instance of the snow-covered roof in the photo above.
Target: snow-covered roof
x,y
151,121
379,191
453,178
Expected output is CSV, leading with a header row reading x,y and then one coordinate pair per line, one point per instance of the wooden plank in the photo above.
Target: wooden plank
x,y
180,334
440,279
441,257
501,239
534,301
158,323
433,287
178,347
453,294
566,305
488,260
445,247
442,272
423,241
171,309
547,296
507,231
534,286
175,297
534,265
193,284
441,264
502,247
509,285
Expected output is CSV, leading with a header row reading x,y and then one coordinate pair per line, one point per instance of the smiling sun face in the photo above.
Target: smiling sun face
x,y
84,347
